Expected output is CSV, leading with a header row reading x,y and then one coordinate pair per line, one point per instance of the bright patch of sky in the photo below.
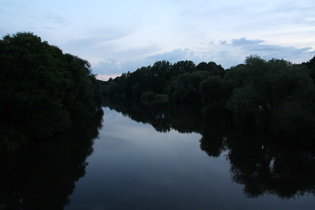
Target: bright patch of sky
x,y
123,35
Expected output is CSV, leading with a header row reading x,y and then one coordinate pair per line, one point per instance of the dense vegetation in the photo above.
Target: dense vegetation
x,y
275,94
42,90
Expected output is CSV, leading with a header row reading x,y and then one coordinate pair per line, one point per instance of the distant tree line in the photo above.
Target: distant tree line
x,y
42,90
275,94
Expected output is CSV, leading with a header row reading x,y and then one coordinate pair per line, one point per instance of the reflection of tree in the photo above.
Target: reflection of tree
x,y
266,164
215,127
184,118
43,176
212,142
262,162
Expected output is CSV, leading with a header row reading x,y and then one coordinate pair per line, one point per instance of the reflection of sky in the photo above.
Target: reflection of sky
x,y
135,167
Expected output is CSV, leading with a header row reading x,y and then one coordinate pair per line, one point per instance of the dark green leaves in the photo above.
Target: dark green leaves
x,y
42,89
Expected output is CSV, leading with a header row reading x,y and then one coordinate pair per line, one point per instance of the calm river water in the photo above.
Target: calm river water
x,y
135,167
123,162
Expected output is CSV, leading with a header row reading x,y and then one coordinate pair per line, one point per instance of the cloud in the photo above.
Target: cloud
x,y
115,67
258,47
55,19
173,56
245,42
225,53
107,77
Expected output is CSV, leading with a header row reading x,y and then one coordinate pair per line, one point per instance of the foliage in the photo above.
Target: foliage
x,y
214,92
180,81
278,91
42,90
185,88
212,67
311,65
273,94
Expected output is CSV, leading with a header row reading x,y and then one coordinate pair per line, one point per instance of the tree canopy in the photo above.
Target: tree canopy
x,y
274,94
42,90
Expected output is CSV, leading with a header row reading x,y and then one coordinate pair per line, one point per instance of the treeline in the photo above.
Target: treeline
x,y
178,81
275,94
42,90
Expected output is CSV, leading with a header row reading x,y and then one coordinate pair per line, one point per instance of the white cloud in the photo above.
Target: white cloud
x,y
115,67
131,34
107,77
269,51
225,53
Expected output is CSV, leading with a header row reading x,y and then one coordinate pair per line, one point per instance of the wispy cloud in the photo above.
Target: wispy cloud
x,y
121,36
272,51
226,53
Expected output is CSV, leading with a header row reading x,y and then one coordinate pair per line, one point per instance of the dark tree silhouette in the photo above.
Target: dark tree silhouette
x,y
42,90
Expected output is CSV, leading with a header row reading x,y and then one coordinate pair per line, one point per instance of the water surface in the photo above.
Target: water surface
x,y
159,157
135,167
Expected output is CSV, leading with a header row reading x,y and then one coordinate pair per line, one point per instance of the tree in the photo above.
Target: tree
x,y
182,67
42,89
276,91
214,92
311,65
185,88
212,67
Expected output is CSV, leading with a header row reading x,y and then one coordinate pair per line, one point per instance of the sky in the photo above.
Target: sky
x,y
122,35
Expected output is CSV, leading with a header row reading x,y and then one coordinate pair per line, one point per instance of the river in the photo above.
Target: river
x,y
145,159
135,167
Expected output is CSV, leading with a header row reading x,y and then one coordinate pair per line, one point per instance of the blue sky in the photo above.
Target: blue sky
x,y
121,35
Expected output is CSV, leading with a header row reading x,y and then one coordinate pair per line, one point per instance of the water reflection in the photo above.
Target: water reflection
x,y
261,162
44,176
265,164
167,170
